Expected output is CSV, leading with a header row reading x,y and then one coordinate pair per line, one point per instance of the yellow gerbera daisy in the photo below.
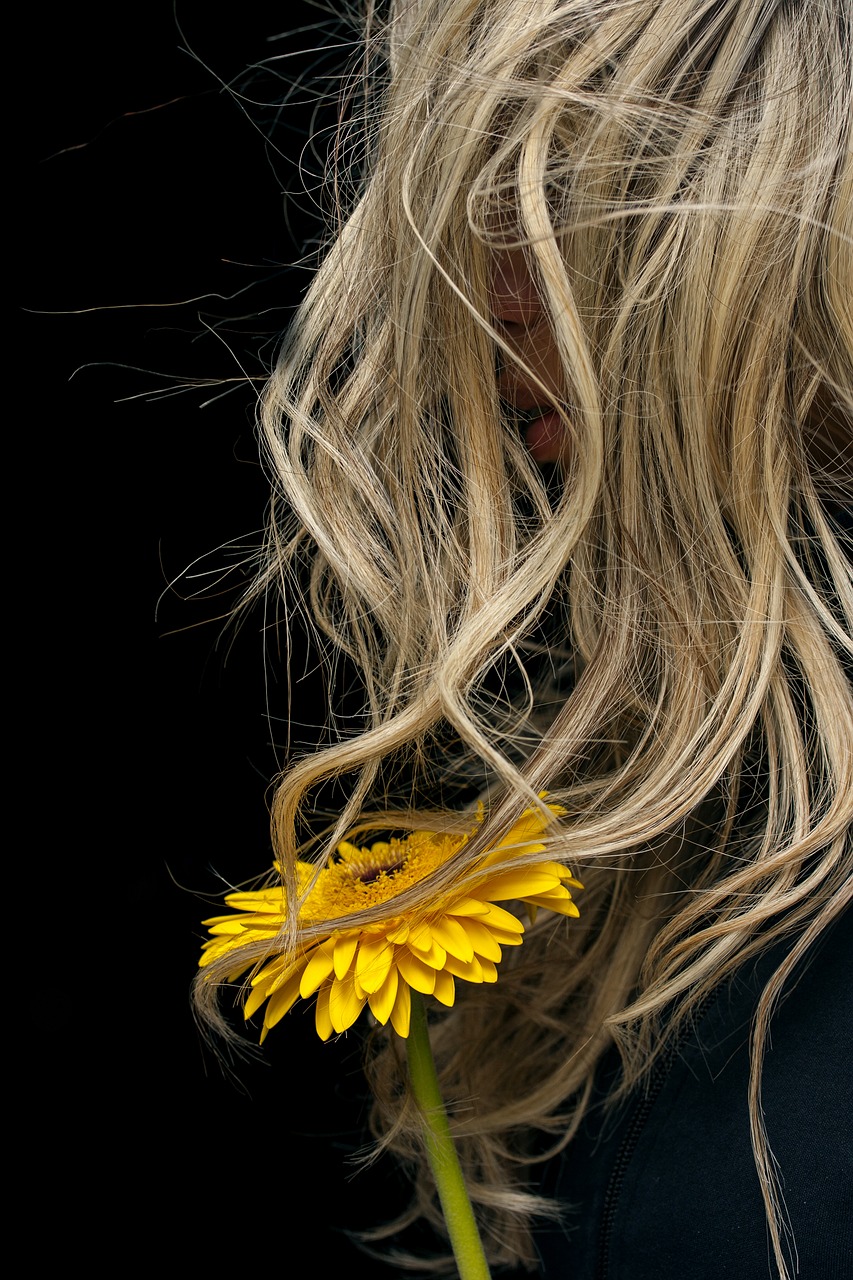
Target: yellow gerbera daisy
x,y
460,935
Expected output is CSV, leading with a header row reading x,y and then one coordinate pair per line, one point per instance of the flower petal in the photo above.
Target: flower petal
x,y
345,946
275,974
264,900
317,969
498,918
522,836
382,1001
280,1003
470,971
518,883
415,972
469,907
557,869
453,936
482,940
435,957
322,1020
420,936
344,1002
445,988
561,903
348,851
375,957
224,925
401,1014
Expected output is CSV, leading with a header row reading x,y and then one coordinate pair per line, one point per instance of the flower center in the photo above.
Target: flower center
x,y
370,876
368,871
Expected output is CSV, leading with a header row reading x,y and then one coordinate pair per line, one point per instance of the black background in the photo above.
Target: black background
x,y
153,211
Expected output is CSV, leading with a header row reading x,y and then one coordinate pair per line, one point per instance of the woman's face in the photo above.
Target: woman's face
x,y
534,385
519,316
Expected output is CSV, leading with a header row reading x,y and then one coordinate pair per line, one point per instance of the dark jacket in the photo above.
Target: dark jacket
x,y
667,1186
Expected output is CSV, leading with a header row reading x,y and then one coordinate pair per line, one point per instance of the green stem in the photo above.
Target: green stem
x,y
444,1162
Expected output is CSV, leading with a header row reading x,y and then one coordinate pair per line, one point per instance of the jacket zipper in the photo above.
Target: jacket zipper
x,y
659,1073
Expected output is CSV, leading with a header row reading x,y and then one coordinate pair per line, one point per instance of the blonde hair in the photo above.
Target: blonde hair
x,y
679,177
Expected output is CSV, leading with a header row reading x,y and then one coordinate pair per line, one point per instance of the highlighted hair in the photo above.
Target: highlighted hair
x,y
679,177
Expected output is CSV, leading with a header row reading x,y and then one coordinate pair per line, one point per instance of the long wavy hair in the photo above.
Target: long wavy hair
x,y
657,631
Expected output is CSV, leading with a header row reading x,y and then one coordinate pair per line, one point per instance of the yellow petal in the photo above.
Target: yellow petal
x,y
453,937
556,869
224,938
526,832
534,821
382,1001
469,907
344,1003
504,938
264,900
563,906
317,969
345,945
531,823
445,988
224,925
280,1003
422,942
415,972
258,994
470,971
375,956
227,952
276,973
211,952
522,836
219,944
420,936
322,1021
496,918
479,970
435,957
482,940
558,894
401,1014
504,853
520,883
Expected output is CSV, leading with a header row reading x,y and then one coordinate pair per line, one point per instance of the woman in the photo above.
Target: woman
x,y
560,455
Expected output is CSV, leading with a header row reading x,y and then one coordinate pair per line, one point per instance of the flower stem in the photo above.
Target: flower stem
x,y
444,1162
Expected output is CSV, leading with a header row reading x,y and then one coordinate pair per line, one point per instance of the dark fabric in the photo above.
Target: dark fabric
x,y
667,1187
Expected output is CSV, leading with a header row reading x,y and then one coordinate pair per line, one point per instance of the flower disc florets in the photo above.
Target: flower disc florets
x,y
458,935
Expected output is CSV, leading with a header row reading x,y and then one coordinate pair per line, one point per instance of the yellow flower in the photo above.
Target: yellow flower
x,y
459,935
